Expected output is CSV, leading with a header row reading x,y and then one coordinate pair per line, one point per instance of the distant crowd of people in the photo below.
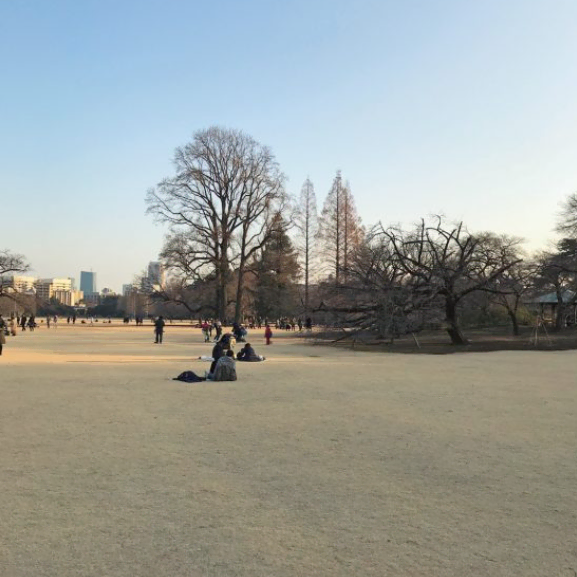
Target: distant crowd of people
x,y
10,326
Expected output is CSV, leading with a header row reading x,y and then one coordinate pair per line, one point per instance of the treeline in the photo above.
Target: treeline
x,y
239,246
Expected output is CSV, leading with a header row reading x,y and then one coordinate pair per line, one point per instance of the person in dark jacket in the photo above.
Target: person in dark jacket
x,y
248,354
227,341
3,328
217,352
159,330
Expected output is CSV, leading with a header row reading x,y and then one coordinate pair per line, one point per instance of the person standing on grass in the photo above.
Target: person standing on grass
x,y
268,334
13,326
205,332
2,335
159,330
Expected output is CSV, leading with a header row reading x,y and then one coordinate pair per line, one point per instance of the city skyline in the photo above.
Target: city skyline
x,y
460,108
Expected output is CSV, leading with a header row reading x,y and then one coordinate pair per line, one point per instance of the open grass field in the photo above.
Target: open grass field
x,y
318,462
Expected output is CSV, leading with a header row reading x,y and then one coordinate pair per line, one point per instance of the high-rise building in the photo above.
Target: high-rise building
x,y
155,273
127,289
88,283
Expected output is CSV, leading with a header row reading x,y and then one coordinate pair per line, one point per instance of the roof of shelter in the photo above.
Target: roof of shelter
x,y
551,298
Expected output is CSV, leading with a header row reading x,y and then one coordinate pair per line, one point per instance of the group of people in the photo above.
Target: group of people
x,y
292,324
208,327
10,326
223,366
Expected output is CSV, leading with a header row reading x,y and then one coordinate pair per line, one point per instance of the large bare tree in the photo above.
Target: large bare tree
x,y
219,205
450,262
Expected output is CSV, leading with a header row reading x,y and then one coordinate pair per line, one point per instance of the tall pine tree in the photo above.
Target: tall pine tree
x,y
277,272
340,229
306,221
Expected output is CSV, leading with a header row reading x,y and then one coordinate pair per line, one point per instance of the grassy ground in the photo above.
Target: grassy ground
x,y
318,462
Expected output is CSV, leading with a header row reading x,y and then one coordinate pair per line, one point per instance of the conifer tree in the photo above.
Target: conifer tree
x,y
306,220
277,271
340,229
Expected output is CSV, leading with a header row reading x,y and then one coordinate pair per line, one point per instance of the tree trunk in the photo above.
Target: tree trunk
x,y
239,295
307,248
338,232
222,278
514,322
453,328
560,316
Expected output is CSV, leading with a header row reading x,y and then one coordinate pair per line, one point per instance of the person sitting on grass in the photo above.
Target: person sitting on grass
x,y
217,352
225,369
248,354
227,342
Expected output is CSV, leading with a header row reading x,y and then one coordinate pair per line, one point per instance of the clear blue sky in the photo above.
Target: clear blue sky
x,y
464,107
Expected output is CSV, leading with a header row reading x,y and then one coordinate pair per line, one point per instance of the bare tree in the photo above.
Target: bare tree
x,y
557,272
507,289
219,206
567,220
448,262
306,220
9,264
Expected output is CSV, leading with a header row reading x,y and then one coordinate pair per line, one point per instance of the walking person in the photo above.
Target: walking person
x,y
205,332
23,320
159,330
268,334
13,326
48,321
32,323
55,321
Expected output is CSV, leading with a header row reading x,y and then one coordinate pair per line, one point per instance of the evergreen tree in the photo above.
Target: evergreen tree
x,y
277,272
306,220
340,229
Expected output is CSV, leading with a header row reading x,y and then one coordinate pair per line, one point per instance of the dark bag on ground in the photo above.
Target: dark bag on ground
x,y
189,377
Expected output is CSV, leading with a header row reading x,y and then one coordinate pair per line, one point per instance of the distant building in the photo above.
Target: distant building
x,y
47,287
107,292
92,299
68,297
88,283
155,274
127,289
21,284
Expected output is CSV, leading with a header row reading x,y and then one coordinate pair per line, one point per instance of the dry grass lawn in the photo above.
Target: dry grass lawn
x,y
318,462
